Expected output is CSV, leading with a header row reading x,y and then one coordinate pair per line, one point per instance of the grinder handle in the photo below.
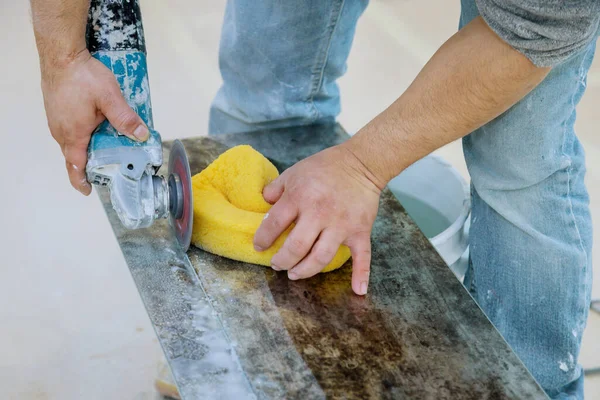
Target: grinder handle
x,y
115,36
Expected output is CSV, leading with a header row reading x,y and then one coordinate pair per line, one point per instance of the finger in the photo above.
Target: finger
x,y
297,245
121,116
320,256
75,160
360,248
273,191
277,220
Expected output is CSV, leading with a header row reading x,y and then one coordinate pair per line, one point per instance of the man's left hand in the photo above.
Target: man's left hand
x,y
333,200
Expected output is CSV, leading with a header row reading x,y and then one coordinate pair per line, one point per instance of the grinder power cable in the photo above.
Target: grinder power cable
x,y
139,196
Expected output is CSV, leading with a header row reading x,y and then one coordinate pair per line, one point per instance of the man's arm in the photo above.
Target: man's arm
x,y
484,69
59,29
79,91
474,77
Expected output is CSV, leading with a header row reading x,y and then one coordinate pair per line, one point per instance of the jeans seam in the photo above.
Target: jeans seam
x,y
318,70
580,72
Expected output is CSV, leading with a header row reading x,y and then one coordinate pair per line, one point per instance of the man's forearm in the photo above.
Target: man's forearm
x,y
472,78
59,27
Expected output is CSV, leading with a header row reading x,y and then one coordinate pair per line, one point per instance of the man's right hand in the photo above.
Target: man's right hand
x,y
78,96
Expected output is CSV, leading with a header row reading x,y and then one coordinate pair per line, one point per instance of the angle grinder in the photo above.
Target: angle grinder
x,y
115,36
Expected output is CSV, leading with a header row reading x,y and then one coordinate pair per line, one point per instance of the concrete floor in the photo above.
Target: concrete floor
x,y
72,324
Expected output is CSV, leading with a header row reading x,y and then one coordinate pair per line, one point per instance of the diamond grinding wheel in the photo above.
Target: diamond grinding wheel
x,y
181,205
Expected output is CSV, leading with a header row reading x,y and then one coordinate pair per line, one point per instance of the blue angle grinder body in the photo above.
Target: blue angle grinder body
x,y
128,168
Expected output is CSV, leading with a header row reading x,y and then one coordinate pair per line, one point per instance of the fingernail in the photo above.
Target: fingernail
x,y
363,288
84,187
275,267
141,132
258,248
292,275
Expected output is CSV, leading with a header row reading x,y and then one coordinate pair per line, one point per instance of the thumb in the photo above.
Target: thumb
x,y
273,191
121,116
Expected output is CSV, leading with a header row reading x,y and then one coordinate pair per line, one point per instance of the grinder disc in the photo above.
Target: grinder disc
x,y
181,205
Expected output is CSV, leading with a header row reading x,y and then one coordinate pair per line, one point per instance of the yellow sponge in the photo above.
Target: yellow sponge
x,y
229,207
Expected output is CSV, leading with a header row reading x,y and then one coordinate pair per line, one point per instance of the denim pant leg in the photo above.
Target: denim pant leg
x,y
280,61
531,233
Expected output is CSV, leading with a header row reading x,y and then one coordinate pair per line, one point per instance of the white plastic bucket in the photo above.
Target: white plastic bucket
x,y
438,199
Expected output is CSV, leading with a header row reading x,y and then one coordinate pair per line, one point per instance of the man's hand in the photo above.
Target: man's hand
x,y
78,96
79,91
333,200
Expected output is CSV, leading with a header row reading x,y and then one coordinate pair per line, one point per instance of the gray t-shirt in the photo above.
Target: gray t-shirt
x,y
547,32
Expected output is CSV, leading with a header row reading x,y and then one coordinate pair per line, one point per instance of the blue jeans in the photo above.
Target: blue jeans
x,y
531,234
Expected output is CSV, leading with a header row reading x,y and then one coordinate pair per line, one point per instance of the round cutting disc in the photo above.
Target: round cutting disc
x,y
181,205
